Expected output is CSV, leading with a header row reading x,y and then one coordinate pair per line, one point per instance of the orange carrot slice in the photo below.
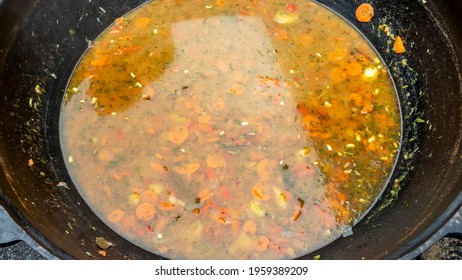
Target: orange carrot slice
x,y
398,46
207,206
119,20
291,8
178,134
218,105
142,22
178,158
210,173
225,194
204,195
237,90
215,161
354,69
115,216
235,228
356,99
104,155
296,215
149,196
260,191
145,211
364,12
119,175
205,127
167,206
337,55
204,118
249,227
338,75
262,243
219,219
265,168
311,122
159,168
188,168
99,62
102,253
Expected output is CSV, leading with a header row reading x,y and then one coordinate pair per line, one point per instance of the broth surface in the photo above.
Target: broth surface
x,y
230,129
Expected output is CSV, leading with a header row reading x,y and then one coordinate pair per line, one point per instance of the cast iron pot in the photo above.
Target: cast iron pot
x,y
42,40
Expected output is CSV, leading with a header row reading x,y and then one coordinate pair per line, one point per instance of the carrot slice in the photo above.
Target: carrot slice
x,y
265,168
291,8
262,243
260,191
311,122
188,168
205,127
250,227
204,118
104,155
167,206
149,196
237,90
225,194
215,161
218,105
115,216
210,173
235,228
398,46
337,55
296,215
157,167
178,134
338,75
354,69
279,246
204,195
99,62
142,22
119,20
145,211
119,175
219,219
207,206
212,140
125,50
355,99
364,12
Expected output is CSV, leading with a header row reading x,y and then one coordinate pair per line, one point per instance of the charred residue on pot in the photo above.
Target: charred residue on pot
x,y
411,96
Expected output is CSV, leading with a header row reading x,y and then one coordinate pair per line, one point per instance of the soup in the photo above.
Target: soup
x,y
261,129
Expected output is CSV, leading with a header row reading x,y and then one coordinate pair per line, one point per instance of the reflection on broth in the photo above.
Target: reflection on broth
x,y
259,129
